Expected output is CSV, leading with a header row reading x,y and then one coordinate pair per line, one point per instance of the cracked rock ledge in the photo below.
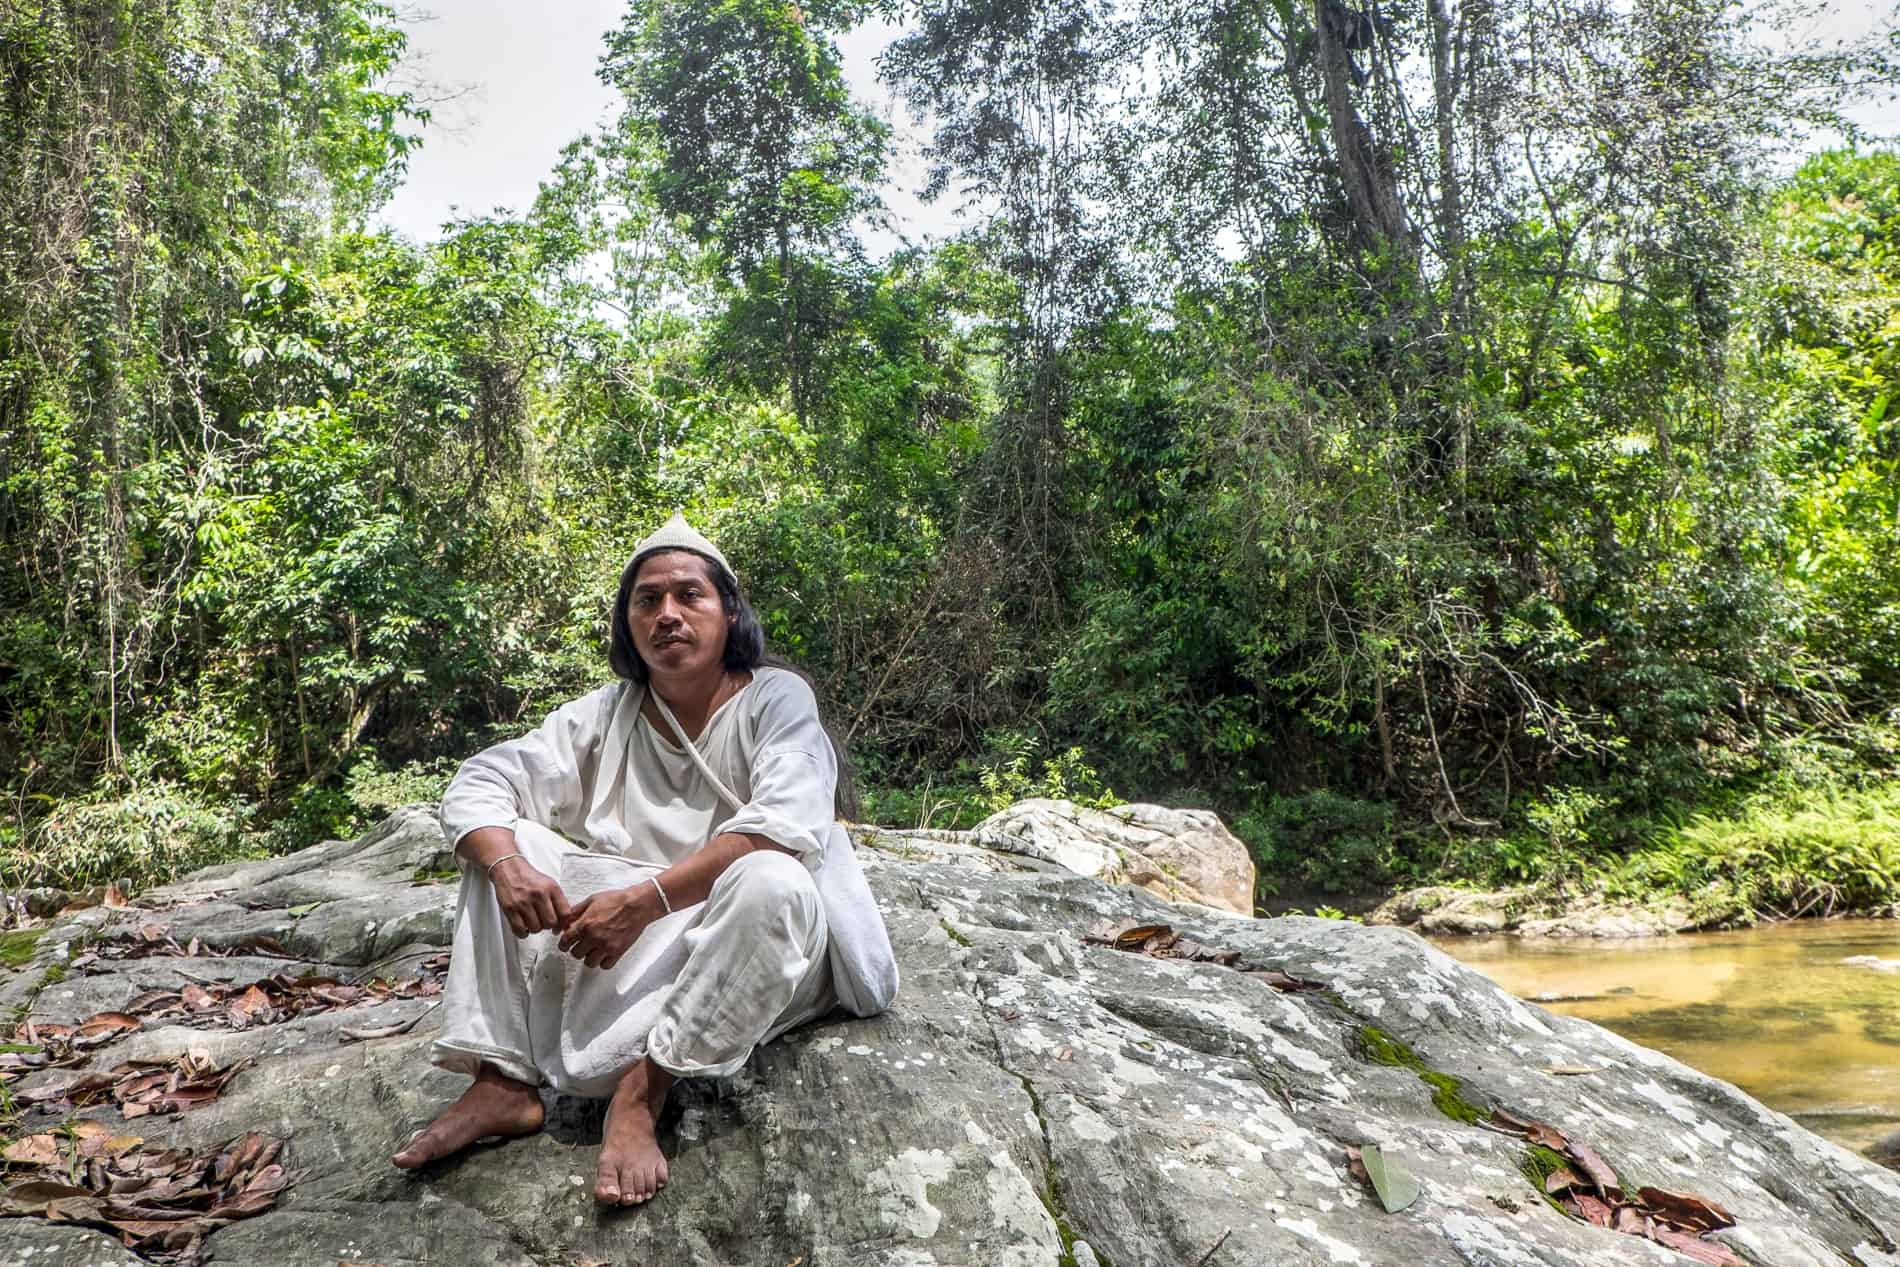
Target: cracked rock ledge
x,y
1030,1101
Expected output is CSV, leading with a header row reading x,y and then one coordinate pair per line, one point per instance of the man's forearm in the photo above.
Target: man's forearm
x,y
688,881
485,846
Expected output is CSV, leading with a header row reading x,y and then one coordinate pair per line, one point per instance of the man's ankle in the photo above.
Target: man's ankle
x,y
488,1075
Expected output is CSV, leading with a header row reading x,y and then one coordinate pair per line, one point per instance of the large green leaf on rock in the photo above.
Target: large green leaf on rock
x,y
1392,1181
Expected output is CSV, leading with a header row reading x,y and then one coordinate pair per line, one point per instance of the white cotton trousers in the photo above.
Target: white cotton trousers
x,y
698,990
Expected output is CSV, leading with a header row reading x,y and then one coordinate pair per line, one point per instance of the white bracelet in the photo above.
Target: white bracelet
x,y
655,881
507,857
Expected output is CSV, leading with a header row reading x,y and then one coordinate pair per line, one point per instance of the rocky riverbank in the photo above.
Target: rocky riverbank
x,y
1034,1098
1449,911
1446,910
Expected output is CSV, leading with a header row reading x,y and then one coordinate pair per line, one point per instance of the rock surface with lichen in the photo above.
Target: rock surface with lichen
x,y
1030,1101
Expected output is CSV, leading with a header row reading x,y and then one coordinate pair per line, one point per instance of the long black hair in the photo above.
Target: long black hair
x,y
745,651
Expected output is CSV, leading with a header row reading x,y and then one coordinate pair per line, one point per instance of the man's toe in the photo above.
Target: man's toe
x,y
607,1186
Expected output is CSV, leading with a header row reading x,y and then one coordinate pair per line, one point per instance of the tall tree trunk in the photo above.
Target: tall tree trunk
x,y
794,372
1365,169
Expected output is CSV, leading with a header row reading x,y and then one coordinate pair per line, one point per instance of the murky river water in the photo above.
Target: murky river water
x,y
1778,1011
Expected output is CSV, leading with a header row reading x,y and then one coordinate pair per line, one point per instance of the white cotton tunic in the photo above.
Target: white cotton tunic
x,y
597,772
624,802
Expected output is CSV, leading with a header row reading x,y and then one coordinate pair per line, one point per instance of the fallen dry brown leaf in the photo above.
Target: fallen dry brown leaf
x,y
139,1087
1562,1179
32,1150
1162,942
1685,1210
1587,1188
1594,1167
1285,983
217,1004
162,1203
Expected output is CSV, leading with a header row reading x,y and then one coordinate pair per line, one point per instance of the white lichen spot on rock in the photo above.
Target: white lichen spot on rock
x,y
1316,1168
1299,1057
1713,1133
1668,1101
1307,1229
902,1185
1747,1157
1019,1214
1294,1016
1480,1240
1275,1129
1521,1014
1085,1123
1126,1072
1605,1113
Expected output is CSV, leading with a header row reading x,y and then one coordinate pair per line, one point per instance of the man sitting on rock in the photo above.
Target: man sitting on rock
x,y
654,881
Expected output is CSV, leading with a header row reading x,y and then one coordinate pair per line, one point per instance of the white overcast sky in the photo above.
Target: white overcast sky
x,y
524,75
525,86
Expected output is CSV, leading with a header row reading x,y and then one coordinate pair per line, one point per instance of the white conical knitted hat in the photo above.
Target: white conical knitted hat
x,y
677,534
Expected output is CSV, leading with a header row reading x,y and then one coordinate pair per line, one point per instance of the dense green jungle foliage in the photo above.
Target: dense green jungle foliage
x,y
1434,436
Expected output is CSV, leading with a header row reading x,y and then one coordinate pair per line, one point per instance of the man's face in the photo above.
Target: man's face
x,y
679,625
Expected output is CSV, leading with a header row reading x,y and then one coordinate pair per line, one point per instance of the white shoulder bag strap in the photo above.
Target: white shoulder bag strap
x,y
692,750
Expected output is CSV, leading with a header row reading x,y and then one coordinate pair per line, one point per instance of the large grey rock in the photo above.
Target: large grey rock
x,y
1029,1101
1180,855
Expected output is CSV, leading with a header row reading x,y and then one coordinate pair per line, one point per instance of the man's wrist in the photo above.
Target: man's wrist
x,y
486,846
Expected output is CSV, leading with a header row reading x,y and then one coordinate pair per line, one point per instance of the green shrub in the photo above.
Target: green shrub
x,y
370,791
975,790
146,836
376,790
1319,841
951,806
1066,776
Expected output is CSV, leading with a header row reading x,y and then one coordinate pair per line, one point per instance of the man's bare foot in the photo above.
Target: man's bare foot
x,y
494,1104
632,1168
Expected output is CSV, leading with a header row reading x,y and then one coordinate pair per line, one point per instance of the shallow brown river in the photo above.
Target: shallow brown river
x,y
1774,1010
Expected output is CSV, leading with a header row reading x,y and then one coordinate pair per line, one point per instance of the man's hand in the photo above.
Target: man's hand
x,y
601,928
529,900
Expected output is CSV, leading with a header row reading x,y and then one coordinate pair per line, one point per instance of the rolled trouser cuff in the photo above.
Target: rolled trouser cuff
x,y
469,1058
